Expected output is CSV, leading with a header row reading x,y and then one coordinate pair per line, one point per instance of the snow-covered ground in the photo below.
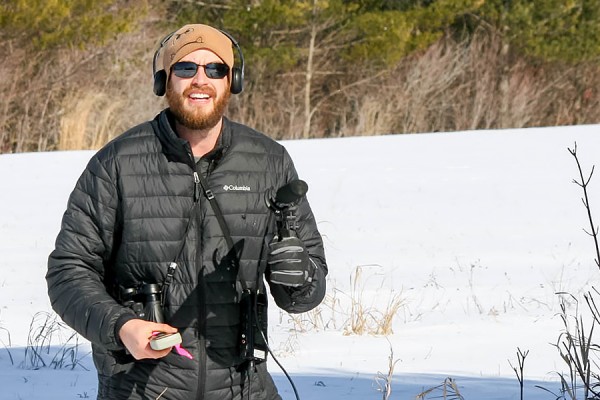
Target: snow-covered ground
x,y
471,233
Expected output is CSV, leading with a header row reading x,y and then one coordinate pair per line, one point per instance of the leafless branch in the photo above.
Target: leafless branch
x,y
583,183
519,372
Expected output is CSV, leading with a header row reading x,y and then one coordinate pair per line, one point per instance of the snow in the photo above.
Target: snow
x,y
473,233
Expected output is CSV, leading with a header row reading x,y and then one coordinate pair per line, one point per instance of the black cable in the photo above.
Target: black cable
x,y
250,374
276,360
268,196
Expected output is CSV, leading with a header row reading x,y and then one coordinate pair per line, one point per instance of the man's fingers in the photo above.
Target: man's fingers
x,y
148,352
136,334
157,353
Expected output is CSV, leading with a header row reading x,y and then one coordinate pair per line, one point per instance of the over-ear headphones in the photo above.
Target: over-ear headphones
x,y
160,75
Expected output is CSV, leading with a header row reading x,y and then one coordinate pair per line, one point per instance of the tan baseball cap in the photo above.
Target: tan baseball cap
x,y
194,37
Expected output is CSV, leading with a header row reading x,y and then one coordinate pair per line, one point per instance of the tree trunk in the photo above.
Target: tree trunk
x,y
309,75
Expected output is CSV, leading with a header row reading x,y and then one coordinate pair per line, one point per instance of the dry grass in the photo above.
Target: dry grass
x,y
447,390
51,344
385,324
384,380
369,318
323,317
453,85
6,342
475,84
89,121
308,321
54,97
353,313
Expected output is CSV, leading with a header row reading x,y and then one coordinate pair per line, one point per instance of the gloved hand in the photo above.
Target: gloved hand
x,y
288,262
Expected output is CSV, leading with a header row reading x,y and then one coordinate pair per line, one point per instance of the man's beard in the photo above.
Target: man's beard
x,y
197,118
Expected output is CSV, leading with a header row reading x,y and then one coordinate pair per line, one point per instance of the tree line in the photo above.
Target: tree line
x,y
78,72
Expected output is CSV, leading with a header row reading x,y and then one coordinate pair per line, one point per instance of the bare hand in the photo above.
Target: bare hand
x,y
136,334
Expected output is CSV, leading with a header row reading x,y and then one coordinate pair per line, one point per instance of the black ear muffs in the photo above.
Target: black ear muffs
x,y
237,81
160,83
160,75
237,73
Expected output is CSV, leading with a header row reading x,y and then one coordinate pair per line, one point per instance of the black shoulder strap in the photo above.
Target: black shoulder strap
x,y
219,214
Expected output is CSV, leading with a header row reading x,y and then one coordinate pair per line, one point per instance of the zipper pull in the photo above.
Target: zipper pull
x,y
196,187
198,183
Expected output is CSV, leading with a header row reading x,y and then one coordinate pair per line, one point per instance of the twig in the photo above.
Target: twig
x,y
521,359
385,381
449,390
584,184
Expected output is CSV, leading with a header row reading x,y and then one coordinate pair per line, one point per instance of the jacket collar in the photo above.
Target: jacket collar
x,y
178,149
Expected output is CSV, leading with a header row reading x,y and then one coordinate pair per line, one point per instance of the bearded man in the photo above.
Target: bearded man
x,y
167,232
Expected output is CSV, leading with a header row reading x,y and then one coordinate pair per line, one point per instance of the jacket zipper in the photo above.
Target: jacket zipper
x,y
202,328
202,365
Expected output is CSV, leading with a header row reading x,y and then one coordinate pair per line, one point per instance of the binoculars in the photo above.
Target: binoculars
x,y
145,301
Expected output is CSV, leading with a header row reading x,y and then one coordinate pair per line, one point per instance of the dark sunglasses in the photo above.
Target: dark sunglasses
x,y
188,69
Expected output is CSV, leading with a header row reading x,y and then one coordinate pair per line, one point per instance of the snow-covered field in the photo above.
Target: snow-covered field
x,y
473,233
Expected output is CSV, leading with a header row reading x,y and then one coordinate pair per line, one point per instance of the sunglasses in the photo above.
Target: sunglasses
x,y
188,69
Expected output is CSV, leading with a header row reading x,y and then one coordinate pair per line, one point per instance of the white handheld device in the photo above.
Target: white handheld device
x,y
165,340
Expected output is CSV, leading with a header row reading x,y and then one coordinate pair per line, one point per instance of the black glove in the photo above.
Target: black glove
x,y
289,264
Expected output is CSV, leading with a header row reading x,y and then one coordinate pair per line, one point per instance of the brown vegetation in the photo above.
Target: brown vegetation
x,y
80,99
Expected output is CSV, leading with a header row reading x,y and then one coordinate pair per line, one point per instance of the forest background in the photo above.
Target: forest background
x,y
76,73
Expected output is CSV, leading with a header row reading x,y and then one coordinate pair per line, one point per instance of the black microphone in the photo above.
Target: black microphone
x,y
291,192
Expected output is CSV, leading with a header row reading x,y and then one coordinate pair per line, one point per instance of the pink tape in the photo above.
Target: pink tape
x,y
182,352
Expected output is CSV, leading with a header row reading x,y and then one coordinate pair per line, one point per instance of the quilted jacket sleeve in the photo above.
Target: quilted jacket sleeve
x,y
307,297
76,267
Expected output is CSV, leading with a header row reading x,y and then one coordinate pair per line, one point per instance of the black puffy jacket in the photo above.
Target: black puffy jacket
x,y
126,221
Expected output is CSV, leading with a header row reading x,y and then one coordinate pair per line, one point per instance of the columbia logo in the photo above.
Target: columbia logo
x,y
236,187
